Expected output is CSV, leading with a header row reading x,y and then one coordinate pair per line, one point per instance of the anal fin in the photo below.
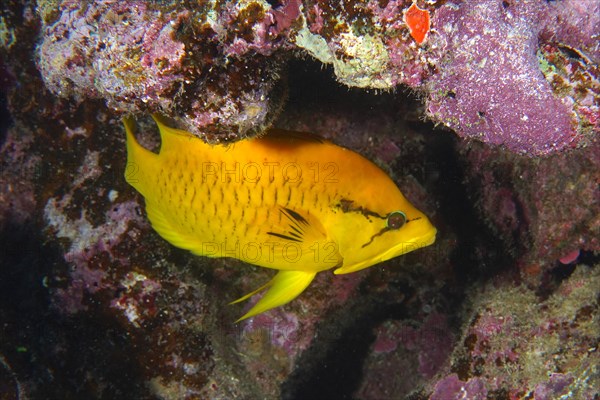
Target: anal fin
x,y
283,288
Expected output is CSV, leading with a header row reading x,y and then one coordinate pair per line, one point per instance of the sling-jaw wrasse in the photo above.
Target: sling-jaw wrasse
x,y
287,201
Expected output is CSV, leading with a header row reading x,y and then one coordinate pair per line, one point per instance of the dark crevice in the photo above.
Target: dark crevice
x,y
589,258
553,278
479,253
51,355
332,367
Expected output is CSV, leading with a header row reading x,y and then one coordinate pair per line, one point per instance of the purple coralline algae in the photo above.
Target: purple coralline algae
x,y
122,52
420,352
430,341
452,388
17,200
498,84
522,75
207,65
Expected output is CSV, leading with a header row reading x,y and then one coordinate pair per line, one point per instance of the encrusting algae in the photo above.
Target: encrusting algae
x,y
288,201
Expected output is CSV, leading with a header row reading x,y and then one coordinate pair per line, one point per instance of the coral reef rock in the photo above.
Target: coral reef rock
x,y
523,75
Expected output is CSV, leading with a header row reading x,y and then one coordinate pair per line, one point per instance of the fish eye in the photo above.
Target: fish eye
x,y
395,220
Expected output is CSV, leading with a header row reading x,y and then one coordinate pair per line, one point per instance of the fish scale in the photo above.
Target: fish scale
x,y
335,210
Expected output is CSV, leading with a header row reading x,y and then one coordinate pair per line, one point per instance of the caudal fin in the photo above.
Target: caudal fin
x,y
140,161
283,288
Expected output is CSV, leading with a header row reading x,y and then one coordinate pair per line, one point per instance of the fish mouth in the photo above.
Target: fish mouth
x,y
410,245
402,248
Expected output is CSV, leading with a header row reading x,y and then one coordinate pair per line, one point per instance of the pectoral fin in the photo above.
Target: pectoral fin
x,y
300,240
299,227
283,288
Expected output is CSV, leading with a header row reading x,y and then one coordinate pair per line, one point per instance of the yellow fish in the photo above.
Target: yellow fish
x,y
287,201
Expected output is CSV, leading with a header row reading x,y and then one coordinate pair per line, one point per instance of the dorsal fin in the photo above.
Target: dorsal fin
x,y
134,148
167,134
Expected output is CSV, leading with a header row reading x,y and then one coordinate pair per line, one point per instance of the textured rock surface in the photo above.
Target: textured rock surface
x,y
517,346
519,74
207,63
